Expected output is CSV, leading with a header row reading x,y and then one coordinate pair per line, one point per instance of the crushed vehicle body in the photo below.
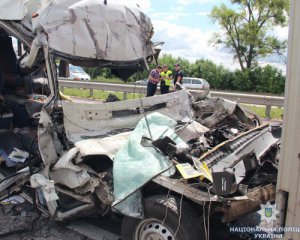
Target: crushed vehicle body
x,y
136,157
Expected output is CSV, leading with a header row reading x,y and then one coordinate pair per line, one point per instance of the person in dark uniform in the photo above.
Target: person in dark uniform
x,y
153,79
178,75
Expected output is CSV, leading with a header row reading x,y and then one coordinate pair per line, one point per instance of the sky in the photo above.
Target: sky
x,y
186,29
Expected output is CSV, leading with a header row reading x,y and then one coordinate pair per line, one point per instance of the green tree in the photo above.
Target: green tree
x,y
170,61
269,80
247,29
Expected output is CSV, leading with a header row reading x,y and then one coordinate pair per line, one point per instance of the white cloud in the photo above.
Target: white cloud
x,y
188,2
168,16
177,8
189,43
205,14
280,66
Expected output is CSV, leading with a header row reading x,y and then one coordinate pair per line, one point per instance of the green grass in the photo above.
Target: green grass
x,y
276,113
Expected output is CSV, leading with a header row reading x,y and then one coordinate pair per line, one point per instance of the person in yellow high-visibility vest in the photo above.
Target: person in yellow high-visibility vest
x,y
166,81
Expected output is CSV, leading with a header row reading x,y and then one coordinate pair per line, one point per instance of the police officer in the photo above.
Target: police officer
x,y
178,76
166,81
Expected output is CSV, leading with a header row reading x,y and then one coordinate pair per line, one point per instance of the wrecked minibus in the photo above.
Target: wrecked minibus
x,y
161,162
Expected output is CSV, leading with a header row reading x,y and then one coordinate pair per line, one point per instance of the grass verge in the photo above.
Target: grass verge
x,y
276,113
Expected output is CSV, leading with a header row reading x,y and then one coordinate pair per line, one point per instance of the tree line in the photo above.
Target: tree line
x,y
265,79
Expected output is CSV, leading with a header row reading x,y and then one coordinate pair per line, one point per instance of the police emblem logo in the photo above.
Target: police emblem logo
x,y
268,212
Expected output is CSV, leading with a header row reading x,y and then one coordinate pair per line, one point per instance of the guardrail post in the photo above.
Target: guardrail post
x,y
124,95
268,111
91,92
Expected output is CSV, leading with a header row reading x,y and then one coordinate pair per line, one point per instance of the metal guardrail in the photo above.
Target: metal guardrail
x,y
264,100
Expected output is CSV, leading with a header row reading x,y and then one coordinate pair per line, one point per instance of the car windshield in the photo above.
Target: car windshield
x,y
76,69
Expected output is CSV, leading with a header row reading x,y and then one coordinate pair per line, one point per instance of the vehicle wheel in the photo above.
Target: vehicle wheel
x,y
257,121
153,225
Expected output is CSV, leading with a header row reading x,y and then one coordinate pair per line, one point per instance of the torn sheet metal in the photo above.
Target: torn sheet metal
x,y
102,146
66,161
82,120
91,29
70,178
192,130
135,165
212,111
47,186
18,10
46,143
66,173
12,10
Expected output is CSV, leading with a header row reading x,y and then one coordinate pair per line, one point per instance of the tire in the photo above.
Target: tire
x,y
191,226
257,121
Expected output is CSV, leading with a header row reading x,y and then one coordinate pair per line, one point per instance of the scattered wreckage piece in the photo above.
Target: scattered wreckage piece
x,y
212,111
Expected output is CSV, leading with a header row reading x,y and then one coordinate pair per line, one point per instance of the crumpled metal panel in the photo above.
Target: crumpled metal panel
x,y
47,186
12,10
192,130
102,146
91,29
90,119
46,142
69,178
66,161
211,111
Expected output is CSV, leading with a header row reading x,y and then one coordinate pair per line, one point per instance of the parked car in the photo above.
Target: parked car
x,y
77,73
142,82
195,83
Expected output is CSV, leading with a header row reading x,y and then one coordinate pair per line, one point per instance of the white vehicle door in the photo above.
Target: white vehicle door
x,y
187,82
197,83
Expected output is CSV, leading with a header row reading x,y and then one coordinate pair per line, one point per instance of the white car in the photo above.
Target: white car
x,y
142,82
77,73
195,83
